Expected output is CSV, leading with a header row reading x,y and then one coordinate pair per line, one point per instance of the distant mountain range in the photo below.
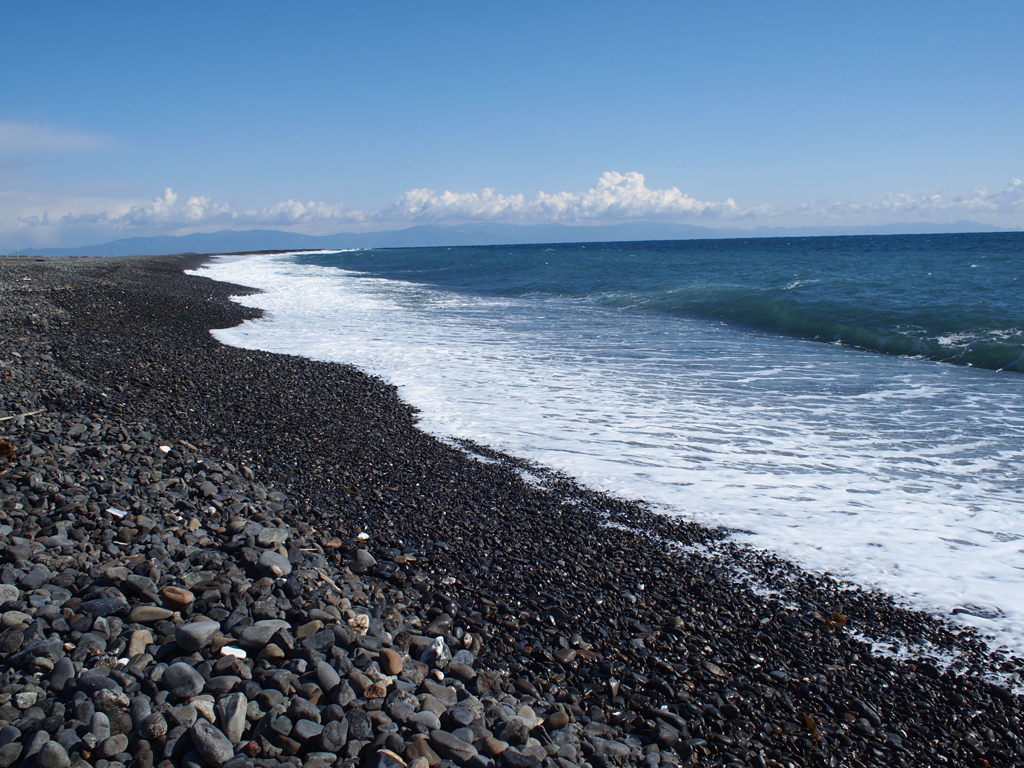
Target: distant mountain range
x,y
235,241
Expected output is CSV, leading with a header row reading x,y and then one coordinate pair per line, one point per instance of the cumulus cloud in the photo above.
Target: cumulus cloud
x,y
169,212
20,137
615,197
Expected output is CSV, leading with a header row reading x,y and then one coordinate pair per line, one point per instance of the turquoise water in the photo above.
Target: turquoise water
x,y
854,404
951,298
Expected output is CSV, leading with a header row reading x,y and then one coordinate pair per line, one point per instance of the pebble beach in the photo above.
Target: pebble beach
x,y
213,557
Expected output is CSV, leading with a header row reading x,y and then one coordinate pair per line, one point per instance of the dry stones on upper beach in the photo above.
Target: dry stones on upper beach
x,y
174,596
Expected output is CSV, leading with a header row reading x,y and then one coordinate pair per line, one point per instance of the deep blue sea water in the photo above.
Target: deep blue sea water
x,y
855,404
953,298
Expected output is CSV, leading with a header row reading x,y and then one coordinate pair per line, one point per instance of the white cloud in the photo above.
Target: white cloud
x,y
615,197
19,137
1001,207
169,213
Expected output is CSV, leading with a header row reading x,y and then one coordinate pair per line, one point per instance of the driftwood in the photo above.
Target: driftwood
x,y
19,415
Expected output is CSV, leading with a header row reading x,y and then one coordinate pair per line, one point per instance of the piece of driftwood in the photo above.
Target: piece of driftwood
x,y
19,415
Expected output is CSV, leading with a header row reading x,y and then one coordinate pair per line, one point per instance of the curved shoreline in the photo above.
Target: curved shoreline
x,y
571,591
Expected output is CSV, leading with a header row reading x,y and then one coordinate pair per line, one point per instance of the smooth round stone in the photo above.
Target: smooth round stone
x,y
327,676
363,561
113,746
149,614
271,537
212,745
53,755
15,619
274,564
259,634
9,734
99,726
177,596
196,635
138,641
426,718
183,680
35,578
391,662
9,754
63,672
9,593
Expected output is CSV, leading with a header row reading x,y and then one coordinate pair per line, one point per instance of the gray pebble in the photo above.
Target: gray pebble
x,y
53,755
196,635
363,561
449,745
231,714
212,745
9,754
106,606
334,735
274,564
113,746
271,537
307,729
182,680
327,676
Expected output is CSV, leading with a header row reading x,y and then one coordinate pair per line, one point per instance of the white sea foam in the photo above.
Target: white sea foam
x,y
899,474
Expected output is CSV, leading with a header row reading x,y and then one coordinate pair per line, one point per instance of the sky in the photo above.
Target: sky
x,y
125,119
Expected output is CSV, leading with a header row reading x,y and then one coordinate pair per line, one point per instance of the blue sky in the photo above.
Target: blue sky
x,y
123,119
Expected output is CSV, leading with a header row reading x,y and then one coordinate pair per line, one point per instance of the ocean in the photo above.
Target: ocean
x,y
854,404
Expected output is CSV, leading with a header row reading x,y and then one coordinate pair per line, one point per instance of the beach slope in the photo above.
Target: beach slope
x,y
166,499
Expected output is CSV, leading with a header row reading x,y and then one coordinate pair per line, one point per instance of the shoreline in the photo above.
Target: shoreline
x,y
569,591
